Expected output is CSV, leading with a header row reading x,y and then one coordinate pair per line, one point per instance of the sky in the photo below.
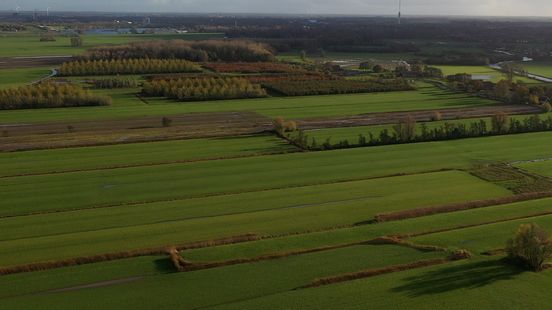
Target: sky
x,y
357,7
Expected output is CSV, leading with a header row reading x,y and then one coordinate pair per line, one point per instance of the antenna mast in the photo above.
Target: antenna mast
x,y
400,8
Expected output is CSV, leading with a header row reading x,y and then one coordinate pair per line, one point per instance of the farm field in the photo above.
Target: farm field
x,y
538,68
30,45
17,77
481,73
240,173
126,105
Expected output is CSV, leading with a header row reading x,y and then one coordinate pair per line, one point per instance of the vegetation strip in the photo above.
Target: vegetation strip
x,y
413,213
122,255
376,272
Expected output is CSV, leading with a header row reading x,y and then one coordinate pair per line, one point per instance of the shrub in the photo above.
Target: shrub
x,y
76,42
47,37
166,122
436,116
547,108
531,247
499,122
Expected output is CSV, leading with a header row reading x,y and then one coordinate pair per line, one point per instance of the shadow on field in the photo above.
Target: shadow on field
x,y
164,265
465,276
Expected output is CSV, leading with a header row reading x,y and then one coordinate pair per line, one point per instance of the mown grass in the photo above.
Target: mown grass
x,y
413,226
288,211
42,281
57,160
539,68
178,181
18,77
485,73
30,45
211,287
483,238
126,105
471,284
542,167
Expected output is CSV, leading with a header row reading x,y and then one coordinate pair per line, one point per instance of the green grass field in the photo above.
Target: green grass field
x,y
538,68
126,105
481,73
18,77
312,207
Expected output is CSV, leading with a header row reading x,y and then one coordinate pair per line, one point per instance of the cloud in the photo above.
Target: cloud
x,y
366,7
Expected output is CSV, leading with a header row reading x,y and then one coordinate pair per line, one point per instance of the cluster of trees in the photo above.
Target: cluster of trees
x,y
327,87
418,71
114,83
76,41
256,67
505,91
457,58
12,27
407,131
49,95
531,247
126,66
47,37
200,51
207,88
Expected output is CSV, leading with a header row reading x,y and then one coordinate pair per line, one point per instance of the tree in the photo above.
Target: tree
x,y
547,108
405,130
377,69
531,247
166,122
500,122
76,41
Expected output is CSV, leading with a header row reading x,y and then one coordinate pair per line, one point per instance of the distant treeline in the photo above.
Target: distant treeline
x,y
126,66
114,83
209,88
457,59
327,87
12,27
407,131
199,51
49,95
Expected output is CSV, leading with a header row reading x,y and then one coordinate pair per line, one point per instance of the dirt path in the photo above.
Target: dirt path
x,y
32,62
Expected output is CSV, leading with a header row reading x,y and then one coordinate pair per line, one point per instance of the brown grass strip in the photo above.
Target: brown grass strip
x,y
394,240
420,212
166,250
374,272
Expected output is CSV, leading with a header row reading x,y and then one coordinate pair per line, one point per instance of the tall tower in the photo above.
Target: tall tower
x,y
400,8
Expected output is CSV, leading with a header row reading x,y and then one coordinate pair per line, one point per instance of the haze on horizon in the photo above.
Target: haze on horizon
x,y
541,8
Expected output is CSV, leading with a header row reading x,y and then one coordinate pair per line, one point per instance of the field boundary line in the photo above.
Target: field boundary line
x,y
460,227
457,207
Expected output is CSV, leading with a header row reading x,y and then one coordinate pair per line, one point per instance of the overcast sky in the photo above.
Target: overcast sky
x,y
363,7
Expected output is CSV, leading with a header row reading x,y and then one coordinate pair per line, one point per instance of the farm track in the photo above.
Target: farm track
x,y
24,137
32,62
420,116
